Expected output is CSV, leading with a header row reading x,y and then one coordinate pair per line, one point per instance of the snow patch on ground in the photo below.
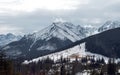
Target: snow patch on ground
x,y
7,47
14,53
47,47
83,73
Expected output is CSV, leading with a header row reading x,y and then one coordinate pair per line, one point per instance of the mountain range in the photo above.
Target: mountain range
x,y
61,35
7,38
53,37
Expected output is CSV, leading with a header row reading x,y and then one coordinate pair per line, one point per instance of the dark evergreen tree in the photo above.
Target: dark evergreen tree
x,y
6,67
62,70
111,70
102,61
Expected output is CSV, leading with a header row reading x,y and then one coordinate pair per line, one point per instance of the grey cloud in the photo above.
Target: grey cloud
x,y
101,10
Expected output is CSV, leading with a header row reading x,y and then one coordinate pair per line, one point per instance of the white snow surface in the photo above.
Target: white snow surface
x,y
47,47
83,73
76,50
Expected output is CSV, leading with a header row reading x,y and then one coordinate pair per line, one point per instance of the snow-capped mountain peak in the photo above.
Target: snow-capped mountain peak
x,y
59,20
109,25
7,38
63,24
60,30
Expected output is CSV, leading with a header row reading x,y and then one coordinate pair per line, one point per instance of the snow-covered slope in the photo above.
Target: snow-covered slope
x,y
78,50
109,25
60,30
5,39
90,30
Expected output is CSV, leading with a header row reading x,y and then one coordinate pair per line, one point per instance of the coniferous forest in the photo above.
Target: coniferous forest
x,y
80,66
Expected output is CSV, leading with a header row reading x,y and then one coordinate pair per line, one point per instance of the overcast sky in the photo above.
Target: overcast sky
x,y
26,16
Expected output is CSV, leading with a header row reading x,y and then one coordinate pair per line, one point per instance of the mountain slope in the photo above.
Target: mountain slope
x,y
78,50
106,43
90,30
